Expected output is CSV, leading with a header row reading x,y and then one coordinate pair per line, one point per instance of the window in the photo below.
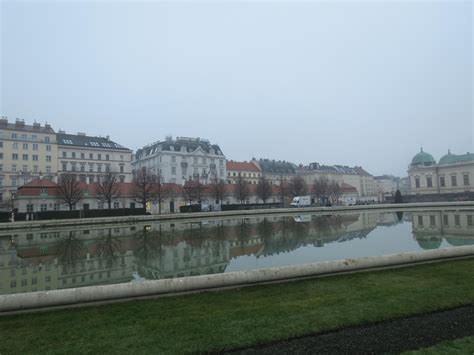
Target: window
x,y
1,155
99,156
33,137
46,139
64,166
204,160
43,207
25,145
122,178
107,168
48,170
14,167
91,168
221,162
1,167
83,168
29,208
457,220
195,160
465,179
64,154
469,221
35,157
25,168
23,136
173,159
14,156
35,146
25,156
173,170
432,221
417,182
73,167
420,220
116,204
48,148
83,156
74,155
35,168
99,169
107,157
454,181
442,181
91,156
121,168
56,207
14,136
48,158
429,181
1,144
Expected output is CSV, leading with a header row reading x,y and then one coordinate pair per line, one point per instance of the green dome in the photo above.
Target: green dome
x,y
428,243
455,158
423,158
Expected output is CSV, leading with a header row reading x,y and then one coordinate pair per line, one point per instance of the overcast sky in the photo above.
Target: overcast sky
x,y
352,83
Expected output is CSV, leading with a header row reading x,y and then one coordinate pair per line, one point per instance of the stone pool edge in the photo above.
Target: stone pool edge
x,y
131,290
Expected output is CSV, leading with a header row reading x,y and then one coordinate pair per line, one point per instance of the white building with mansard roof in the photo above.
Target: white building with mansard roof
x,y
182,159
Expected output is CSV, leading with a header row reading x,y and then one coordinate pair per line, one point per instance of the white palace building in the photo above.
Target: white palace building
x,y
454,173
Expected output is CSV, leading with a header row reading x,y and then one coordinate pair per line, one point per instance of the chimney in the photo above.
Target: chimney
x,y
107,137
19,122
61,131
4,121
47,125
36,125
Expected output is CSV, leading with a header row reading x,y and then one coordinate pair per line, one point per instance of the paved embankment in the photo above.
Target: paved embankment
x,y
83,295
391,337
188,216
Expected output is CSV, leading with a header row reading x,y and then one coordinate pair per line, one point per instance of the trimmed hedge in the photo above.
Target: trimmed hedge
x,y
250,206
45,215
190,208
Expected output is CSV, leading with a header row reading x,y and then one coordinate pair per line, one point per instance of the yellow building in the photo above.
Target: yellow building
x,y
26,152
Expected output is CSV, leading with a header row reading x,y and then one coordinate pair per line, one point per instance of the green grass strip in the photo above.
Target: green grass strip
x,y
212,321
456,347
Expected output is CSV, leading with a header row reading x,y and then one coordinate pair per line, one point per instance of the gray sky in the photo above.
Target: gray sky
x,y
356,83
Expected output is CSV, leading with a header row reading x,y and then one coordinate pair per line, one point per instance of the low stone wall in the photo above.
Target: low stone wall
x,y
183,216
74,296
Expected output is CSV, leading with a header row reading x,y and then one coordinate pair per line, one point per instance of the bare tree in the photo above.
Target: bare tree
x,y
298,186
69,190
108,188
193,191
264,189
218,189
334,189
242,189
160,191
320,188
144,187
283,190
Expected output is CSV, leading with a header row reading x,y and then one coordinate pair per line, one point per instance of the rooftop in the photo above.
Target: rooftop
x,y
20,125
241,166
82,140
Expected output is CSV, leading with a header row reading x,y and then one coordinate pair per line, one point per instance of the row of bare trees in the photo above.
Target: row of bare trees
x,y
148,187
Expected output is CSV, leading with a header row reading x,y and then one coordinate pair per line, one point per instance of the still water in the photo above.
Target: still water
x,y
61,258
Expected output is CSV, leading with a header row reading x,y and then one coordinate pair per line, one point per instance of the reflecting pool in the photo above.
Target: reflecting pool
x,y
60,258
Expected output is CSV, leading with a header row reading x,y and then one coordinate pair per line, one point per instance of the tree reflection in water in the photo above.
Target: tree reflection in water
x,y
149,243
108,249
70,249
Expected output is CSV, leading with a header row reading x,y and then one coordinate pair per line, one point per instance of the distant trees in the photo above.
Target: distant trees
x,y
320,188
242,189
264,189
193,191
334,190
108,188
144,187
283,190
298,186
69,191
217,189
398,197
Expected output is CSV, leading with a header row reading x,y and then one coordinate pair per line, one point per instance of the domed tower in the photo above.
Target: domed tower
x,y
422,173
423,159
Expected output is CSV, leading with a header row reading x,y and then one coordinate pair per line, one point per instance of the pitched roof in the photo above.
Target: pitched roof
x,y
241,166
181,143
347,188
21,126
276,166
69,140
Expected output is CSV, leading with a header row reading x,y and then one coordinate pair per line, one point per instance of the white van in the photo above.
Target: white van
x,y
301,201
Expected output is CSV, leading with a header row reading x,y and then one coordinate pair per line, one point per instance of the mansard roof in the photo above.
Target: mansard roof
x,y
81,140
179,144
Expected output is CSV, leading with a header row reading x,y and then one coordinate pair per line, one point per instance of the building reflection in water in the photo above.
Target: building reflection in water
x,y
63,258
431,228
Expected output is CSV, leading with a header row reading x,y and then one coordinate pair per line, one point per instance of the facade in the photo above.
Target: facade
x,y
387,185
250,172
91,157
26,152
182,159
354,176
452,174
41,195
276,171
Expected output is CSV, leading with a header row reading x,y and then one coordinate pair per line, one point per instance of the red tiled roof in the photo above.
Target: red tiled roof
x,y
241,166
347,188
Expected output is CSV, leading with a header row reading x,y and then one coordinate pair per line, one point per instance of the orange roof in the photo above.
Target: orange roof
x,y
241,166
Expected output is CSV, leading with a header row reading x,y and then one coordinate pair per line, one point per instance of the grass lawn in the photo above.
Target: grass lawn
x,y
456,347
214,321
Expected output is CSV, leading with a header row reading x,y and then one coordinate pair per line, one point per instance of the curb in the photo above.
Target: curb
x,y
74,296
